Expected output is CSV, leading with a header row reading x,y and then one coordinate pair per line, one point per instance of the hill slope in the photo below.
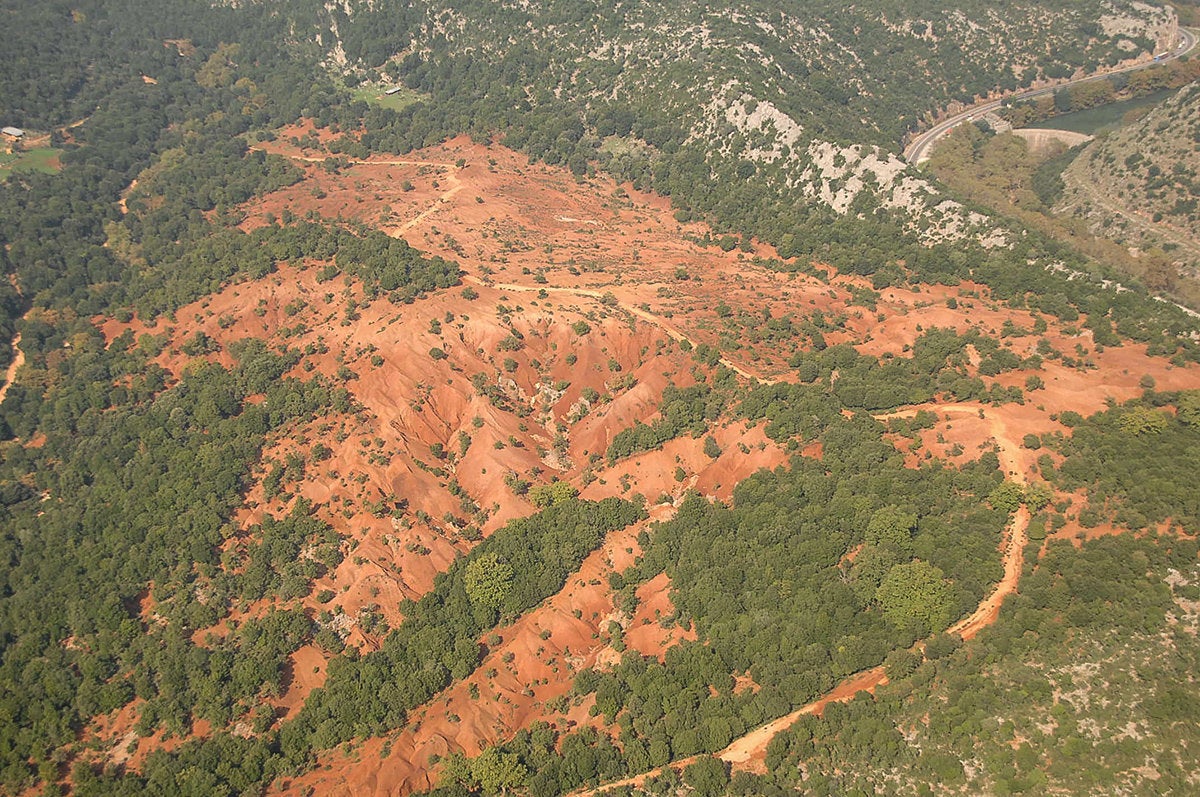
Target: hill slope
x,y
1141,185
729,112
832,69
613,392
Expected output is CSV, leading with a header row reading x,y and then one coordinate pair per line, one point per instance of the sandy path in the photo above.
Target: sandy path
x,y
750,750
444,198
11,373
1014,554
125,195
455,187
646,316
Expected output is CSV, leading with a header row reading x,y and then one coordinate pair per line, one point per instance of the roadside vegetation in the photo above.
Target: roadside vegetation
x,y
1097,94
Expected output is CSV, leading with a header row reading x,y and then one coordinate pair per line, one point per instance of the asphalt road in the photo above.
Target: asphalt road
x,y
918,150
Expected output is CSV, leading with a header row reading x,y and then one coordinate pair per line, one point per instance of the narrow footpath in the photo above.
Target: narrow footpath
x,y
13,367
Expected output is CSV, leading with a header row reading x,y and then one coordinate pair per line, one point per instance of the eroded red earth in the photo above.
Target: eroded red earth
x,y
542,251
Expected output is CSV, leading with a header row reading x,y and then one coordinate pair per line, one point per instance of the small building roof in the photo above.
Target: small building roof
x,y
15,132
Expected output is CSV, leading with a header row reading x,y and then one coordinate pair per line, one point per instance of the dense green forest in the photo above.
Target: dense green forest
x,y
133,487
1020,706
1129,459
1085,619
140,493
112,526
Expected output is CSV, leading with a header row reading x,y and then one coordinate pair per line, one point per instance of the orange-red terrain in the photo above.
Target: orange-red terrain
x,y
424,461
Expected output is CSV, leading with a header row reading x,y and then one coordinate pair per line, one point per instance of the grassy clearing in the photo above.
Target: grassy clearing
x,y
42,159
374,95
618,145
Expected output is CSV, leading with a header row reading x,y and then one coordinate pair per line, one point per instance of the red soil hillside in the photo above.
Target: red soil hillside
x,y
467,393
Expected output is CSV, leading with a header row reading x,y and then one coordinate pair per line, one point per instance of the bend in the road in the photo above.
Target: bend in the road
x,y
918,150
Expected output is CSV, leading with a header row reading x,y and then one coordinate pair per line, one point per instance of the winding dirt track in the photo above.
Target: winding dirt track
x,y
443,198
646,316
749,751
1112,203
17,362
455,187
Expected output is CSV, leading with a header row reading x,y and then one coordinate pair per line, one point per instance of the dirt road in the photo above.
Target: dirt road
x,y
455,187
645,315
1089,192
443,198
11,373
1014,553
749,751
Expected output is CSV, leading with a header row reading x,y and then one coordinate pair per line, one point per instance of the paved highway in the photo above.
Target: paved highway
x,y
918,149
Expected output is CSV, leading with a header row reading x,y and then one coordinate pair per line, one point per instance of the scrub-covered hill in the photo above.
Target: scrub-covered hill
x,y
1141,185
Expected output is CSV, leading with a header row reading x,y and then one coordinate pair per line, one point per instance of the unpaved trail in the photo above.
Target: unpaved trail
x,y
645,315
17,362
1014,553
455,187
369,161
749,751
1111,203
124,208
753,746
443,199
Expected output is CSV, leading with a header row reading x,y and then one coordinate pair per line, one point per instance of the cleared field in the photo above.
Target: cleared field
x,y
43,159
375,95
